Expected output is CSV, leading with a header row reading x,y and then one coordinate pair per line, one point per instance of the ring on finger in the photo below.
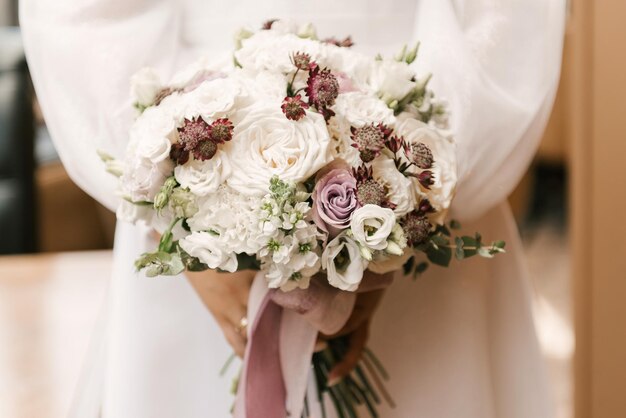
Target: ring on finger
x,y
242,325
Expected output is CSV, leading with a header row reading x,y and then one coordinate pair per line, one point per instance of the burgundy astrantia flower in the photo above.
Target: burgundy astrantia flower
x,y
345,43
322,89
193,132
201,139
416,227
368,190
221,131
294,108
370,140
178,154
301,61
395,143
426,178
419,154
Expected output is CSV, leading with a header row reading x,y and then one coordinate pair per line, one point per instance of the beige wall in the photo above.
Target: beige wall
x,y
597,127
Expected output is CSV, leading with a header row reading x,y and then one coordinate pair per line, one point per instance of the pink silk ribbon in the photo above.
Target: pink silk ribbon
x,y
281,340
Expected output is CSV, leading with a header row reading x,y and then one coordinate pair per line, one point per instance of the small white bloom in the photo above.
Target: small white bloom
x,y
145,84
210,250
204,177
343,263
142,179
391,79
371,226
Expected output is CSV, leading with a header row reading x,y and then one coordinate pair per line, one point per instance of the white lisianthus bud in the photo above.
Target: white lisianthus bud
x,y
144,86
393,248
307,31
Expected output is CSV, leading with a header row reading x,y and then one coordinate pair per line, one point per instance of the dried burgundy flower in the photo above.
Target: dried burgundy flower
x,y
345,43
193,132
267,25
294,107
370,140
301,61
426,178
178,154
322,90
416,228
368,190
425,206
419,154
205,150
221,131
395,143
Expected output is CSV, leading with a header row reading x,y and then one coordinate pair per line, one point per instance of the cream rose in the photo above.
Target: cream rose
x,y
152,134
400,189
343,263
204,177
267,144
371,226
142,178
444,167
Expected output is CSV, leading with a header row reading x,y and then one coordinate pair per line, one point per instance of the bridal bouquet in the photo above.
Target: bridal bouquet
x,y
300,158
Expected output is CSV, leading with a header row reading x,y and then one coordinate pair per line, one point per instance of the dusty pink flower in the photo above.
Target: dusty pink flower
x,y
334,198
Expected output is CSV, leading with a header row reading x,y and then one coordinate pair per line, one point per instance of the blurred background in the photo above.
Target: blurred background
x,y
55,239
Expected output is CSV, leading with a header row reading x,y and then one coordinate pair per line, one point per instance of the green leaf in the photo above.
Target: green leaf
x,y
247,262
485,252
440,256
440,240
469,242
499,244
421,267
408,266
454,224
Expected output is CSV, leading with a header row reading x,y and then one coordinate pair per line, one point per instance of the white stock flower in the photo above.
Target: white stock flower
x,y
233,216
371,226
444,167
204,177
400,189
145,84
267,144
343,263
391,79
210,250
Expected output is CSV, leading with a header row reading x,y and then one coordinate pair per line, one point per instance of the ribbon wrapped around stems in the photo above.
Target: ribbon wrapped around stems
x,y
281,340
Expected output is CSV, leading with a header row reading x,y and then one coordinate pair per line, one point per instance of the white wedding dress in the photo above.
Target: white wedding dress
x,y
457,342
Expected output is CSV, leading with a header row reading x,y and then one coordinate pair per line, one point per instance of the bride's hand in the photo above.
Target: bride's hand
x,y
357,330
226,297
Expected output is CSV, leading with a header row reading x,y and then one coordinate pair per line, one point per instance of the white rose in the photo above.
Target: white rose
x,y
360,109
400,189
204,177
270,50
391,78
215,98
444,168
152,133
210,250
267,144
142,178
371,226
343,263
144,86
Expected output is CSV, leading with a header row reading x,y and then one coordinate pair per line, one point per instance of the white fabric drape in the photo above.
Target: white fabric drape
x,y
458,342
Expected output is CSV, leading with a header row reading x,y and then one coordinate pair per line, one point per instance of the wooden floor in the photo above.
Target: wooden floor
x,y
49,304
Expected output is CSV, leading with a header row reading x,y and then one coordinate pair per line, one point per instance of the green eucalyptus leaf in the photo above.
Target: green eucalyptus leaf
x,y
440,256
408,266
459,252
440,240
454,224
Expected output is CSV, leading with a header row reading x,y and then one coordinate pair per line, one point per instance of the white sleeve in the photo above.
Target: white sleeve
x,y
81,55
498,64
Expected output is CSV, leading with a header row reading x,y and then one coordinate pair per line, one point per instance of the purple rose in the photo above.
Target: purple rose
x,y
334,198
